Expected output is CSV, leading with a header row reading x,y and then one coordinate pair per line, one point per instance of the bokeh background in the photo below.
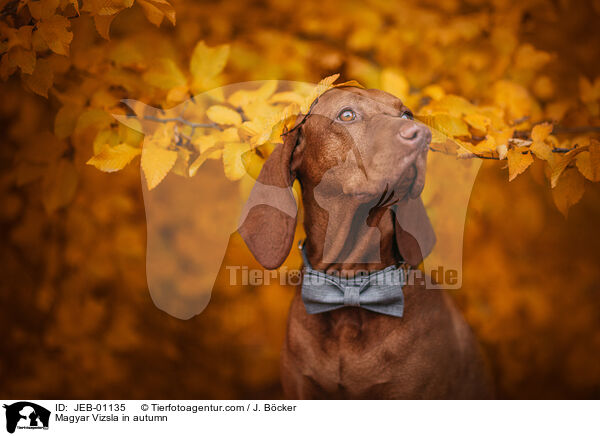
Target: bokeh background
x,y
76,317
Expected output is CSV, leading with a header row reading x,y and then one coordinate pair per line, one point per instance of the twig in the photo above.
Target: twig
x,y
525,134
577,129
180,120
465,156
478,156
482,156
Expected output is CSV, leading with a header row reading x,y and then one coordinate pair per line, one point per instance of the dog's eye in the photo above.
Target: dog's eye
x,y
347,115
407,116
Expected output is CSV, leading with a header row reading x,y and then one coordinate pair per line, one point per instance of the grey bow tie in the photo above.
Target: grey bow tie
x,y
379,292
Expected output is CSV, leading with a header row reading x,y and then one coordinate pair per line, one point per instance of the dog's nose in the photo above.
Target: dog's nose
x,y
412,133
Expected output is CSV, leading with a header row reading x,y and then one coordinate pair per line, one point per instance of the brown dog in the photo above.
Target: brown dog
x,y
360,160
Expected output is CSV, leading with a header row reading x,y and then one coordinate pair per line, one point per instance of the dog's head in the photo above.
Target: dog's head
x,y
355,145
366,141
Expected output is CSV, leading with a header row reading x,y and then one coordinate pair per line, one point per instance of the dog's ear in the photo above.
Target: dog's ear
x,y
415,237
268,221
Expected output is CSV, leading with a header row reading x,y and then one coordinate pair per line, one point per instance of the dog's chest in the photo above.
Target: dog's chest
x,y
354,353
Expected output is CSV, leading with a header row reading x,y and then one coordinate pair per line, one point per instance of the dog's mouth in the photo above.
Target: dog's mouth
x,y
408,182
401,171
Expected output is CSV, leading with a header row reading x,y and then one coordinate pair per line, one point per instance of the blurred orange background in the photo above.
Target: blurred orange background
x,y
76,316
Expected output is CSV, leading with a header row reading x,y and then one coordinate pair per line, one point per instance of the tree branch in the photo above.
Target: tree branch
x,y
180,120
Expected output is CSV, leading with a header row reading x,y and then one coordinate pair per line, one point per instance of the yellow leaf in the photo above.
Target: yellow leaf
x,y
203,143
182,163
206,63
502,136
95,118
131,133
541,131
178,94
54,31
514,98
351,83
519,160
395,83
447,125
162,137
243,97
588,162
42,9
559,163
59,185
106,7
42,78
328,81
252,163
569,190
287,97
228,135
541,150
450,104
104,138
102,23
155,10
435,92
20,37
487,145
208,153
164,74
114,158
22,58
479,123
258,130
156,163
315,92
223,115
232,160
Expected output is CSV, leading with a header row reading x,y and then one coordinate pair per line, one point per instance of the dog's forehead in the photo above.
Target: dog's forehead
x,y
375,99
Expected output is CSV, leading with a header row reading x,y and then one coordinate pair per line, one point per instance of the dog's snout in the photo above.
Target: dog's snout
x,y
413,133
409,131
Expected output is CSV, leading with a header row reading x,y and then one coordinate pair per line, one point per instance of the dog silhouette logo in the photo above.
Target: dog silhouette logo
x,y
26,415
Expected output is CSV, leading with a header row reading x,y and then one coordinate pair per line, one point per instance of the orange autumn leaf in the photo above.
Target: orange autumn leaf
x,y
569,190
111,159
540,132
42,9
102,23
588,162
42,78
156,163
54,31
518,161
155,10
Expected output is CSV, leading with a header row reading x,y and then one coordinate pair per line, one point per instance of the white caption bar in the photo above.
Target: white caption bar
x,y
24,417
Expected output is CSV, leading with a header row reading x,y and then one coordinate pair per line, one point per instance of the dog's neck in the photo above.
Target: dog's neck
x,y
344,235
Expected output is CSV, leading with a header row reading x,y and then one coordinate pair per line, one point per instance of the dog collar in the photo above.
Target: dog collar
x,y
379,291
